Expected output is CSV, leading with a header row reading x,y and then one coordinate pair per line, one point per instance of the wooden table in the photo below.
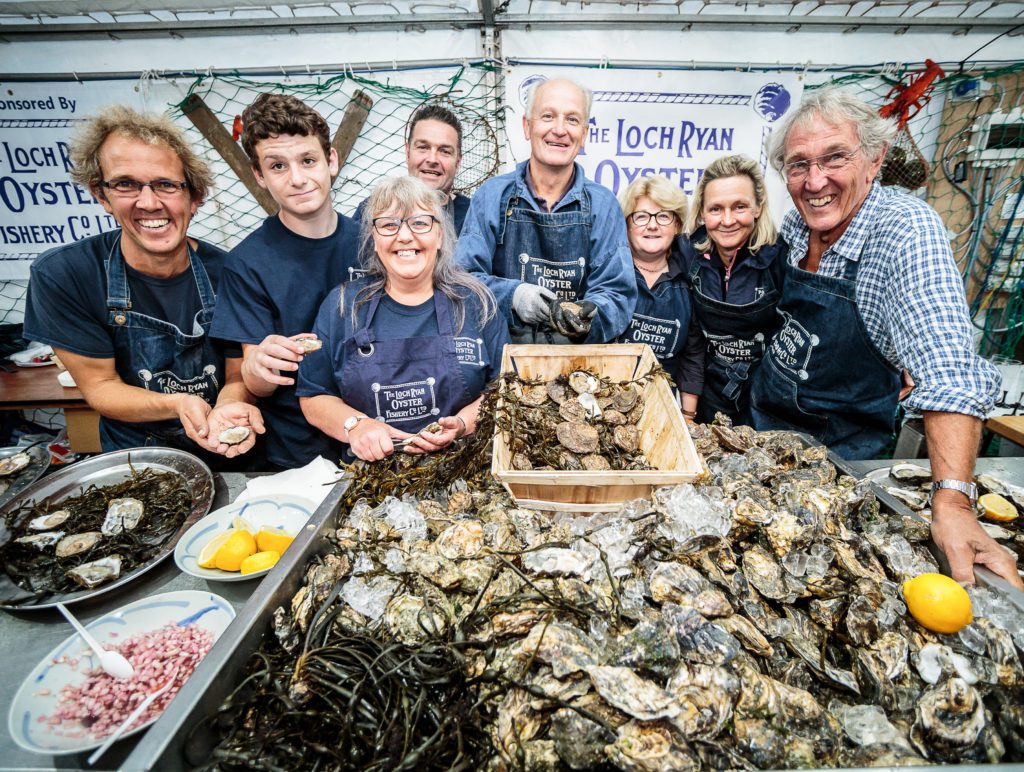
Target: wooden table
x,y
28,388
1009,426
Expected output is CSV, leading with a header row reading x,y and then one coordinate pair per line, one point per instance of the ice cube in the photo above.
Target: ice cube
x,y
796,563
404,518
369,596
867,725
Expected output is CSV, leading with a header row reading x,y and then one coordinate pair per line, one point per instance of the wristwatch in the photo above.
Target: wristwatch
x,y
351,421
969,489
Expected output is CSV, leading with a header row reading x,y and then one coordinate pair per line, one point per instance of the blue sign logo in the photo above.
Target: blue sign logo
x,y
771,101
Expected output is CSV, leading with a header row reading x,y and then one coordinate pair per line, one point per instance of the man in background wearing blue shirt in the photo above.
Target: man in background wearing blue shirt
x,y
275,279
544,233
433,153
871,288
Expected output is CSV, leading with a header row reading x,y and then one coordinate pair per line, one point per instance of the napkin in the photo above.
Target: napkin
x,y
312,481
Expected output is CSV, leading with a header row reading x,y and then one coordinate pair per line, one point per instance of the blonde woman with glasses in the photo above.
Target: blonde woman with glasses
x,y
655,210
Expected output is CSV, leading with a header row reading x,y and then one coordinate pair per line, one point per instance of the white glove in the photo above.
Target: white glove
x,y
532,303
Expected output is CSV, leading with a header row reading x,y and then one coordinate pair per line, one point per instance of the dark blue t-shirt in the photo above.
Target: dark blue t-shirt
x,y
273,284
66,305
478,346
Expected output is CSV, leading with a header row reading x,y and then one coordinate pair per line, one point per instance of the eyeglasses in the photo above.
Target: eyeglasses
x,y
640,219
830,162
128,188
390,226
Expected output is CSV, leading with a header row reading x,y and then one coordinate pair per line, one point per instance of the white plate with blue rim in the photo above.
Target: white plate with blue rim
x,y
282,513
38,697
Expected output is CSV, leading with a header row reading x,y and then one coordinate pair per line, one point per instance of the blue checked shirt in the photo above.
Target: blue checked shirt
x,y
911,299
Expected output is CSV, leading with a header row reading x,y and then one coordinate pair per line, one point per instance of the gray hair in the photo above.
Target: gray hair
x,y
835,106
588,95
406,194
737,165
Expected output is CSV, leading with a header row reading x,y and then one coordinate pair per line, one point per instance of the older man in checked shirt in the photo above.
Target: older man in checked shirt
x,y
871,288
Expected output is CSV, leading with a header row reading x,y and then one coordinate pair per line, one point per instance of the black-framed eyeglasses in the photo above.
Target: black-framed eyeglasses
x,y
640,219
130,188
390,226
833,162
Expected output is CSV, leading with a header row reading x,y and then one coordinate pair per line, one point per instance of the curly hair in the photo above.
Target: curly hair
x,y
272,115
151,128
737,165
660,190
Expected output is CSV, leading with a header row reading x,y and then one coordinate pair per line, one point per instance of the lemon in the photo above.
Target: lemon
x,y
268,539
938,603
237,547
260,561
208,554
239,523
997,508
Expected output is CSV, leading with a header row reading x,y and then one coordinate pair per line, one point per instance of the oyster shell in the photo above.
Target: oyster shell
x,y
234,435
951,725
625,398
578,437
14,464
572,409
97,572
46,522
309,344
583,382
589,403
910,473
521,461
461,540
76,543
621,688
535,395
411,620
627,438
122,515
642,747
595,463
41,540
558,389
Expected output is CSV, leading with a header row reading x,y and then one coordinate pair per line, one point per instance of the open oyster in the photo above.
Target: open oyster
x,y
14,464
77,542
234,435
97,572
122,515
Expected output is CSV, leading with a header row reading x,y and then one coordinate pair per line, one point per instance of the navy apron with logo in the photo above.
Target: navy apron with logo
x,y
409,382
549,249
155,355
736,337
661,318
821,374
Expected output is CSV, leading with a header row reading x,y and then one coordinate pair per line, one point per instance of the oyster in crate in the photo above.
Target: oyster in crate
x,y
578,437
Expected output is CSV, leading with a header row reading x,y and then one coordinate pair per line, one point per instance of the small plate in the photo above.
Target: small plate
x,y
287,514
39,693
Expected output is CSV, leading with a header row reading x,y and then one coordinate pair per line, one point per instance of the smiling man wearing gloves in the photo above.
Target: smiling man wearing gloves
x,y
545,234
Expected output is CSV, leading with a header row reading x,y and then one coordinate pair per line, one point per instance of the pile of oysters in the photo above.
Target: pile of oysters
x,y
578,421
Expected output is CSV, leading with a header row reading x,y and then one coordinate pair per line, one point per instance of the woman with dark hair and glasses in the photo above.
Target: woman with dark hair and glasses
x,y
410,344
655,210
734,262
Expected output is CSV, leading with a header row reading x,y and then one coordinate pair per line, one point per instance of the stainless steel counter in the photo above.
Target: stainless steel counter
x,y
26,637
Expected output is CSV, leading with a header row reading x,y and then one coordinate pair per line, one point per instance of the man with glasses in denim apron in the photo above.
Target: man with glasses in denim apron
x,y
544,235
129,311
871,288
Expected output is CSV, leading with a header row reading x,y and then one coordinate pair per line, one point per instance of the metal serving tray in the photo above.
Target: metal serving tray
x,y
164,746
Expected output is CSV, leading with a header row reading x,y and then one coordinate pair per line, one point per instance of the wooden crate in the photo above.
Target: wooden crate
x,y
664,438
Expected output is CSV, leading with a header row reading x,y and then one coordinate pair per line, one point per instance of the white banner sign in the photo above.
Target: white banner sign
x,y
40,207
646,122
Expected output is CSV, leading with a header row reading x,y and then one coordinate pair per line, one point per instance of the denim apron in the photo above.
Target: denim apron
x,y
736,336
549,249
821,374
155,355
406,383
661,318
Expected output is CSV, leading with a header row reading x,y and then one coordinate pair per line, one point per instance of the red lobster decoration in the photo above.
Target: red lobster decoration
x,y
910,99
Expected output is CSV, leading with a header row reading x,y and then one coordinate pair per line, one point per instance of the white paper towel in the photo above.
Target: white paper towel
x,y
312,481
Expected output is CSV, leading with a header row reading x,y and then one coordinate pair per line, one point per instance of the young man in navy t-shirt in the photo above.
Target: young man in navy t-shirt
x,y
275,280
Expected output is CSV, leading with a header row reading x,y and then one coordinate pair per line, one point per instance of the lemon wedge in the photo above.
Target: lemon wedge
x,y
208,554
270,540
995,507
938,603
237,547
239,523
260,561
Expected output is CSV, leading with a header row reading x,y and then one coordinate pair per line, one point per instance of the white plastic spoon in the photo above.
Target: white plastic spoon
x,y
112,662
139,710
